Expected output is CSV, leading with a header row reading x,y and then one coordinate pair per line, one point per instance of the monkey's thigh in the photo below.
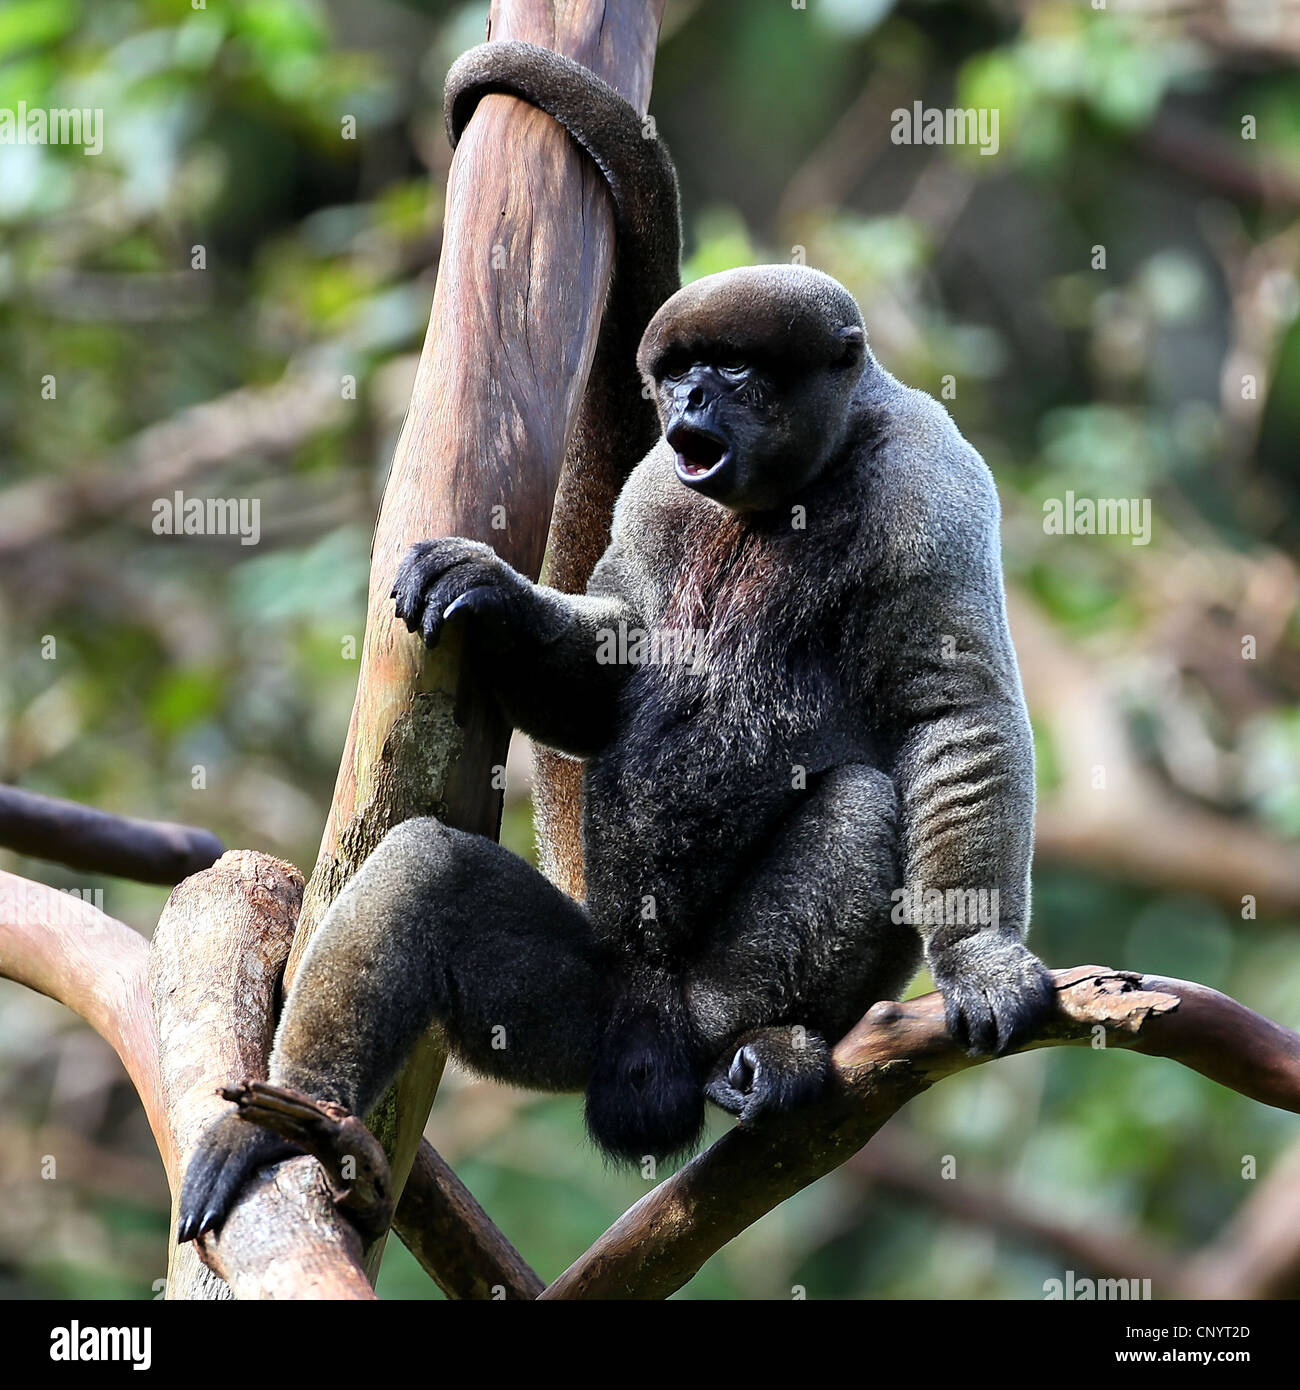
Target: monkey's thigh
x,y
441,924
808,937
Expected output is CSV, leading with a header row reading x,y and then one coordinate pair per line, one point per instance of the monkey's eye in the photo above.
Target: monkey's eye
x,y
733,367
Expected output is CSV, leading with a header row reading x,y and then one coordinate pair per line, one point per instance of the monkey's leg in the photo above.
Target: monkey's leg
x,y
806,946
436,924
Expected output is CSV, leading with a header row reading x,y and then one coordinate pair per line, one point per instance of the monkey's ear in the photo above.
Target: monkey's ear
x,y
853,341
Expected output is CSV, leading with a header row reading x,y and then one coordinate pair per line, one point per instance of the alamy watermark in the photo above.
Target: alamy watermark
x,y
916,906
35,904
77,1343
1076,1288
1098,516
951,125
179,515
58,125
636,646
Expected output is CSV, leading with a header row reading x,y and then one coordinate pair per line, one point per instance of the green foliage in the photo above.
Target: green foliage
x,y
225,130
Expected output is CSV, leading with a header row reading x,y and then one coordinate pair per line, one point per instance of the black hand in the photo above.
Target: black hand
x,y
996,992
438,579
775,1069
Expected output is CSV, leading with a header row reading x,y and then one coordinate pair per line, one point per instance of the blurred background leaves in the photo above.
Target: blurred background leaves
x,y
1109,307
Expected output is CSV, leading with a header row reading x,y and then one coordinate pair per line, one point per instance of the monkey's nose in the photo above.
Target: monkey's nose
x,y
696,397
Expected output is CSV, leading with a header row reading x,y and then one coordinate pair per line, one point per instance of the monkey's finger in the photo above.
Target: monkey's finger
x,y
225,1159
1024,1010
211,1182
411,578
427,565
954,1018
483,601
431,624
1015,1024
743,1069
970,1018
982,1027
724,1096
200,1179
472,581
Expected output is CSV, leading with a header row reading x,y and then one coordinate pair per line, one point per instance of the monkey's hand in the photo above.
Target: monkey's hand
x,y
771,1070
439,579
996,992
228,1153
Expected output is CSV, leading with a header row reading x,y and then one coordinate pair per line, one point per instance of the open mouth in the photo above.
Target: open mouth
x,y
698,453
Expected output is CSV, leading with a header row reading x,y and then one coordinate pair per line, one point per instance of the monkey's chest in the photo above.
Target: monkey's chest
x,y
673,816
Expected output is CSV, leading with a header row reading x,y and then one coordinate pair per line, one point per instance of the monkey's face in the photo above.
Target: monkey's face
x,y
750,434
709,408
755,372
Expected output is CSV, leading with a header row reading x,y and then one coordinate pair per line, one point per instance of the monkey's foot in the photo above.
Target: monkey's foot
x,y
228,1153
272,1123
355,1165
996,993
771,1070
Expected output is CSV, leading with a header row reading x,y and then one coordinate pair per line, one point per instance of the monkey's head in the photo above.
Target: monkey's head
x,y
754,371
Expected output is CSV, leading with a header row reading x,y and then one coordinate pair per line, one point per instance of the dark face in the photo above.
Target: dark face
x,y
750,434
707,408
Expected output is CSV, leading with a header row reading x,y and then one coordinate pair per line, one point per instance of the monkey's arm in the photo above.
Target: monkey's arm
x,y
549,658
965,774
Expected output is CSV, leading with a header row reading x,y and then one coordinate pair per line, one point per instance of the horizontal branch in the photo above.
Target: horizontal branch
x,y
149,851
895,1053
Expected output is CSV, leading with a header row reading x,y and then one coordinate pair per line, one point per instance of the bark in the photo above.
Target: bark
x,y
214,974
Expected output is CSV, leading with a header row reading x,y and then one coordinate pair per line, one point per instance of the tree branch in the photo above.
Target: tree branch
x,y
218,951
214,975
66,949
528,222
454,1239
149,851
895,1053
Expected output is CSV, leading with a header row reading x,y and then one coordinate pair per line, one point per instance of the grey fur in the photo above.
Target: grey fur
x,y
852,724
